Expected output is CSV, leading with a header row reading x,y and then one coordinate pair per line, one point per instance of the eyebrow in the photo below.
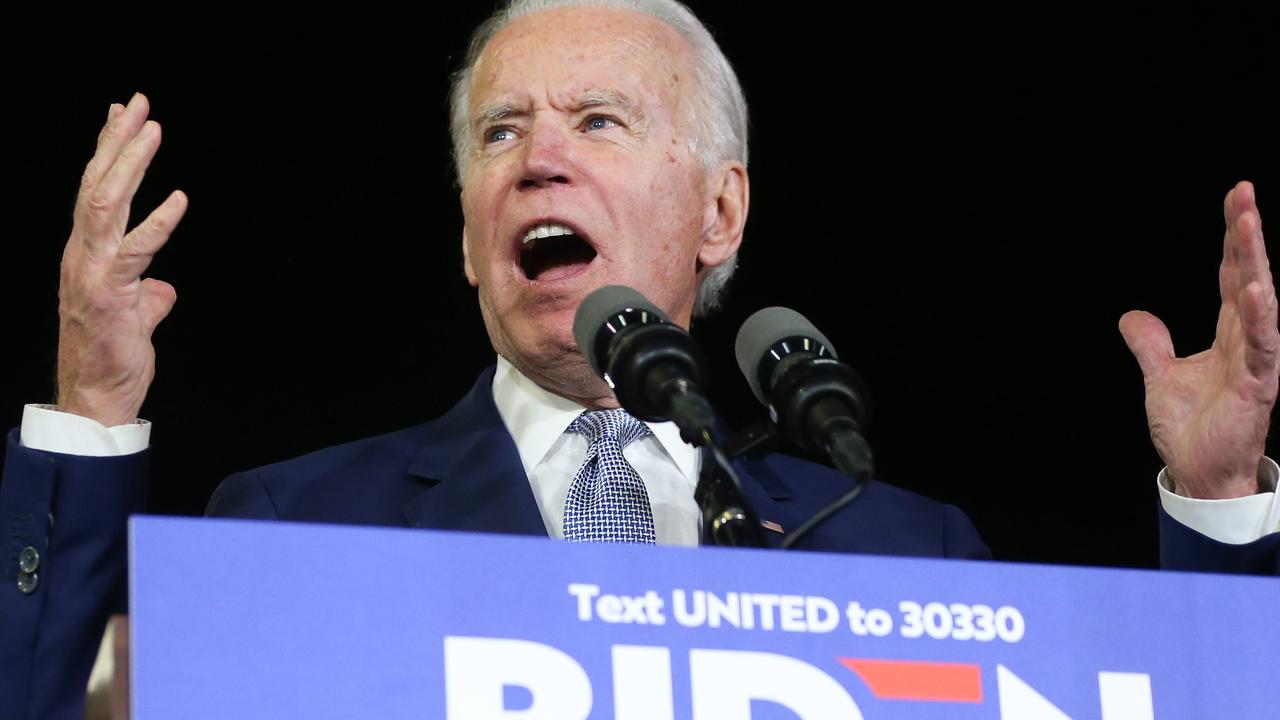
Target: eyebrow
x,y
607,98
492,113
589,99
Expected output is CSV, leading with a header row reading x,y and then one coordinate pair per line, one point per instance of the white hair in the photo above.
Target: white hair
x,y
718,113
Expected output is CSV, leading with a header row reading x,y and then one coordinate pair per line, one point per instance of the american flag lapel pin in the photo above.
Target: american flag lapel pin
x,y
771,525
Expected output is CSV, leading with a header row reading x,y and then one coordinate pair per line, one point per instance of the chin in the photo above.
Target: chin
x,y
542,339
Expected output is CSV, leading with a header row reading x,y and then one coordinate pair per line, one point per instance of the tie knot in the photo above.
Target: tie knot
x,y
617,425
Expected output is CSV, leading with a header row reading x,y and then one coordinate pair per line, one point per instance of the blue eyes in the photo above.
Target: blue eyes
x,y
498,135
591,124
599,122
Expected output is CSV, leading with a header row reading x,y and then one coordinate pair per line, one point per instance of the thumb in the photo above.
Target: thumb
x,y
156,300
1148,340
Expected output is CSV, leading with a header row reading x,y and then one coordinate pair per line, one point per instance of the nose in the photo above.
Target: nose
x,y
547,157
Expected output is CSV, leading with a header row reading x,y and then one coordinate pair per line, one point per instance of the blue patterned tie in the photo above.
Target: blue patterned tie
x,y
607,501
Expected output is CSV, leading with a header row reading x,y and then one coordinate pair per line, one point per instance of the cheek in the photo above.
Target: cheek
x,y
479,211
672,193
676,223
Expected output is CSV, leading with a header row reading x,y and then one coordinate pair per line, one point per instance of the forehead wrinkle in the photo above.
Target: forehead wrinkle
x,y
667,72
601,36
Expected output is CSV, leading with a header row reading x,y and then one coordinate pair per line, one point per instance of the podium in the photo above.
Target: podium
x,y
252,620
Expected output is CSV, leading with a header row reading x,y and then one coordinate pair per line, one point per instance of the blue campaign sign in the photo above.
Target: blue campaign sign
x,y
273,620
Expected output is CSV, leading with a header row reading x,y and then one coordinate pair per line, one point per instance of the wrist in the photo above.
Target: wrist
x,y
1235,487
96,406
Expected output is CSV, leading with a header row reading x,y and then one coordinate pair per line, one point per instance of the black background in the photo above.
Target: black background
x,y
965,202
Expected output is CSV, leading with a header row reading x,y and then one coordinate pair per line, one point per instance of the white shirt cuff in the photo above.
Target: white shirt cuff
x,y
1235,521
46,428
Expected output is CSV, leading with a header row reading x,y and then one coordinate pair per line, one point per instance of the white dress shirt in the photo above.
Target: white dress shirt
x,y
45,427
537,420
1235,521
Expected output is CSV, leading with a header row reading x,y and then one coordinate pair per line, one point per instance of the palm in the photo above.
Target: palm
x,y
107,311
1209,412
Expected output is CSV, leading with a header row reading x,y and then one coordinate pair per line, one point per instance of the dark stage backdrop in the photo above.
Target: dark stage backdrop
x,y
965,203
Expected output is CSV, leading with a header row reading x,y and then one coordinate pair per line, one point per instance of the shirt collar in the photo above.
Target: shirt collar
x,y
537,418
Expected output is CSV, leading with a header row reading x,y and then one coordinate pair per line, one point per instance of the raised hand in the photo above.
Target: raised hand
x,y
107,311
1209,412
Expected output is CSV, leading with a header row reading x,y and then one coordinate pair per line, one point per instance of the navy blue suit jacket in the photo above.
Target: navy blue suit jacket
x,y
462,472
459,472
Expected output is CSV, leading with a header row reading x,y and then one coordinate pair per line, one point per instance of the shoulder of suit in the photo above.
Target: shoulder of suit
x,y
394,450
809,479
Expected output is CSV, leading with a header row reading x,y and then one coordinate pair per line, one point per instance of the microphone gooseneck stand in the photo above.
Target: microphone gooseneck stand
x,y
655,371
669,390
727,517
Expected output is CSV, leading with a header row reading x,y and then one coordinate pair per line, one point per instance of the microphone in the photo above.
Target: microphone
x,y
652,365
817,401
656,371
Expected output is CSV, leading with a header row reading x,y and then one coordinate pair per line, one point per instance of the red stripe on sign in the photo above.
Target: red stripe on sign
x,y
917,680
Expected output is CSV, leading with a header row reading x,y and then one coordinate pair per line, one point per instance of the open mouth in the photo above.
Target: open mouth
x,y
551,252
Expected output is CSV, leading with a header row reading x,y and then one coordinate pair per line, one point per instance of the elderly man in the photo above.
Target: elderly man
x,y
599,144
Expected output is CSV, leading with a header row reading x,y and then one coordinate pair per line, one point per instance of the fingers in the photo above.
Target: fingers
x,y
106,206
1148,339
1250,249
139,246
1262,339
1241,199
155,300
1251,287
126,146
112,112
1244,258
122,180
121,128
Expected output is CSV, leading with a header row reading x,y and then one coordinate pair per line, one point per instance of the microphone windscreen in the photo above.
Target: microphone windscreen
x,y
761,331
597,308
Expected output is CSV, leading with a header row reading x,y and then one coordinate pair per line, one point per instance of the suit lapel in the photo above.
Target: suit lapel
x,y
472,474
765,491
473,478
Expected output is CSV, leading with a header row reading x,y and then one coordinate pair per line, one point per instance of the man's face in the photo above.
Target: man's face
x,y
581,124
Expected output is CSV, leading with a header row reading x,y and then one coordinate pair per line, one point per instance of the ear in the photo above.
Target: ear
x,y
726,215
466,260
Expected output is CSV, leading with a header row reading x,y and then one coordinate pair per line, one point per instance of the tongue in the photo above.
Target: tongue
x,y
562,270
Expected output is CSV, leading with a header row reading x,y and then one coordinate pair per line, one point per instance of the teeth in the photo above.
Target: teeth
x,y
546,230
